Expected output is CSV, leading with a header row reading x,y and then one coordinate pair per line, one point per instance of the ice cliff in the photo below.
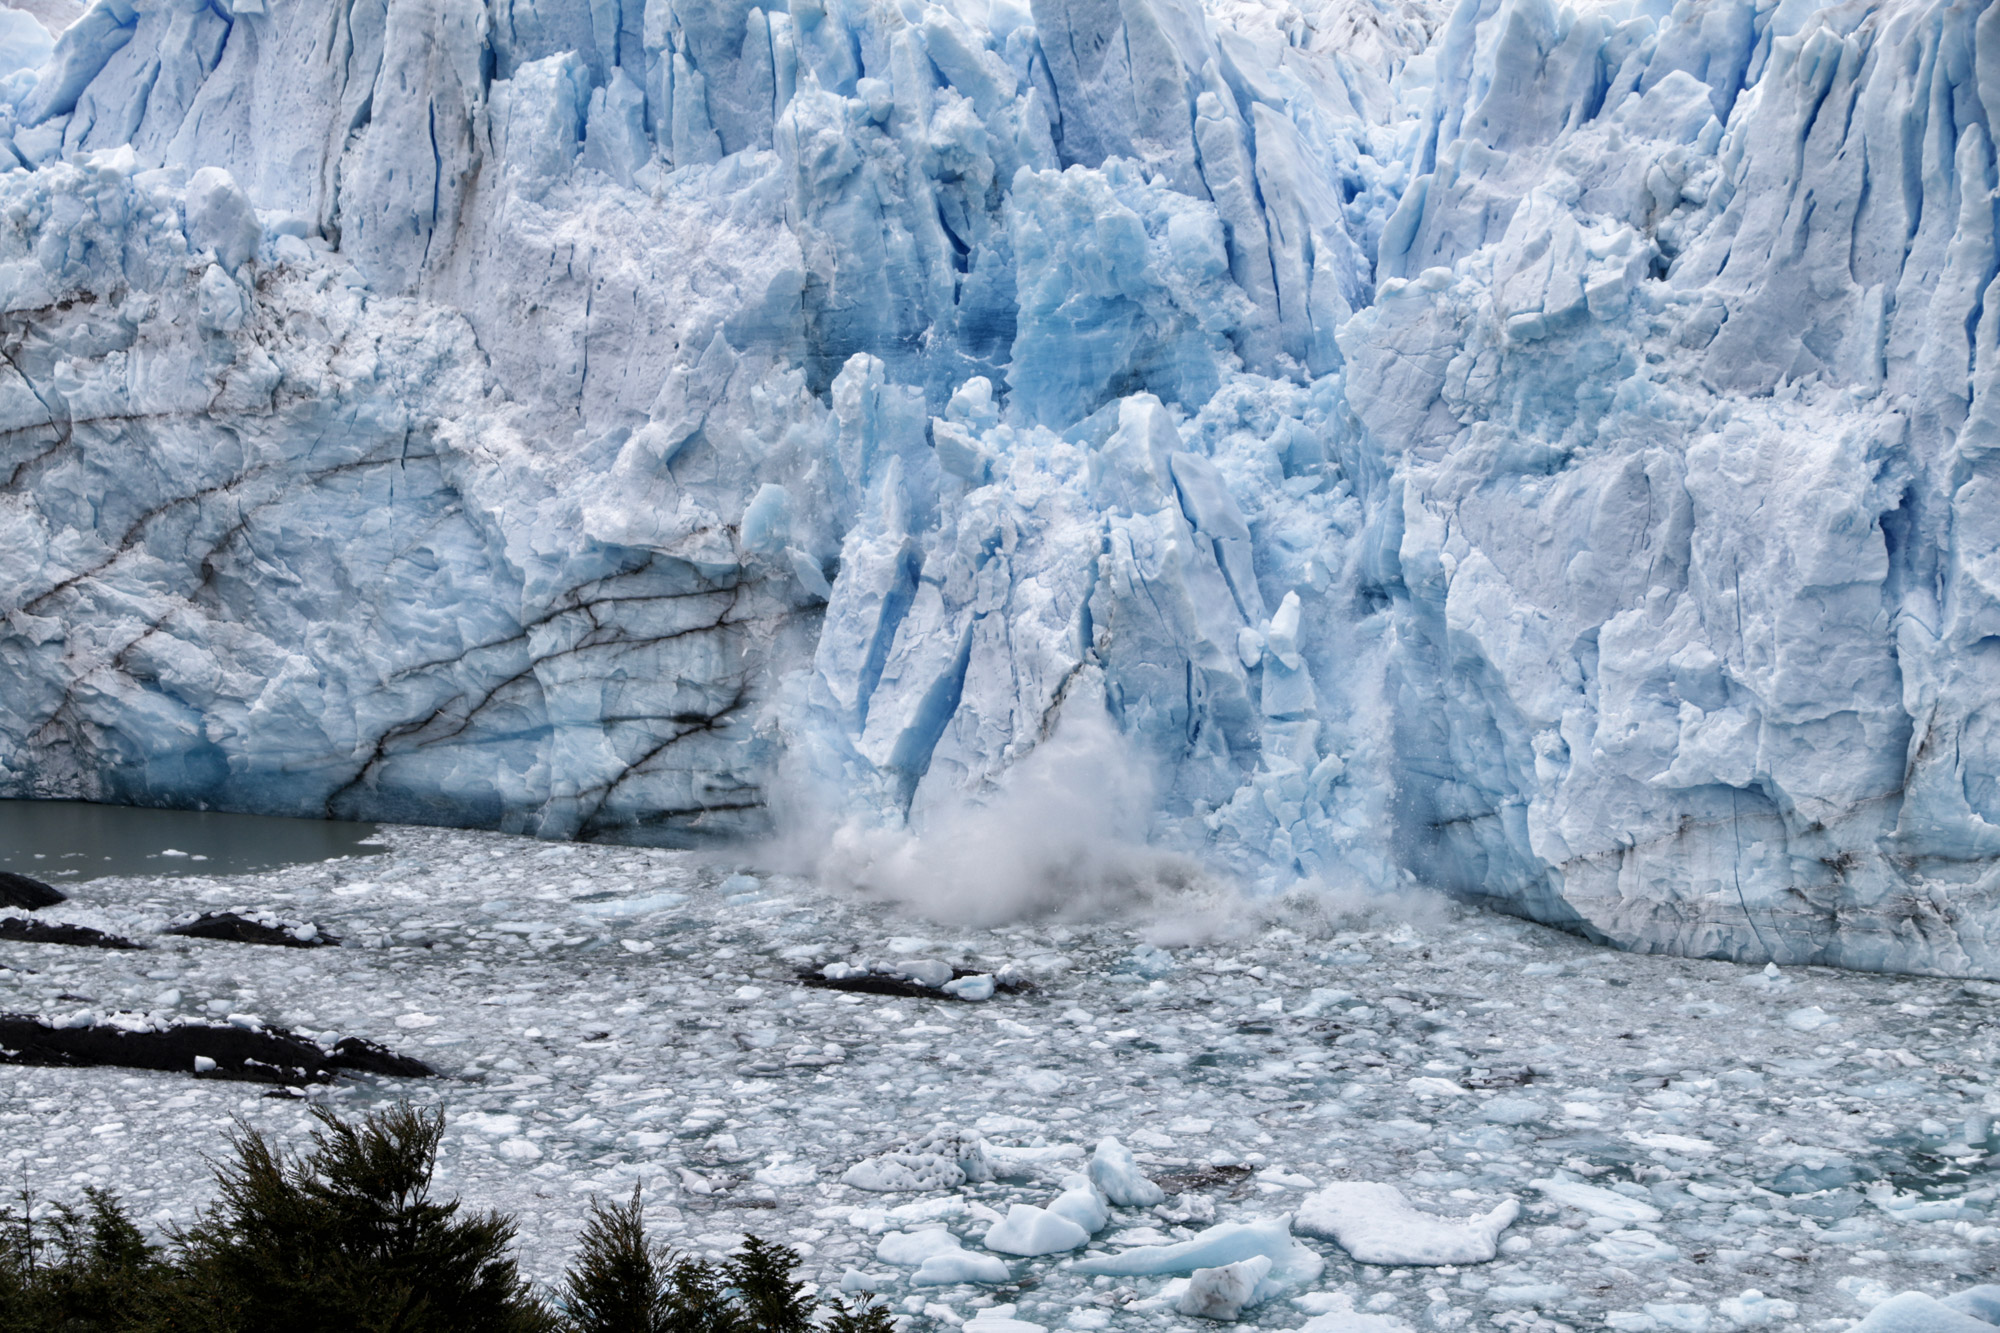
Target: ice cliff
x,y
1549,452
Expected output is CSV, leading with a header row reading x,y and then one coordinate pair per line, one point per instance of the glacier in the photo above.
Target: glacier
x,y
1548,451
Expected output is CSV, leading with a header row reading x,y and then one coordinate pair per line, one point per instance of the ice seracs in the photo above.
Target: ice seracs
x,y
1568,491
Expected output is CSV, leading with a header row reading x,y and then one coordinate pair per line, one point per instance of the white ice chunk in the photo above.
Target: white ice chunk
x,y
1000,1319
1981,1302
1597,1201
1224,1292
1913,1312
221,218
1334,1312
640,906
910,1248
1811,1018
1114,1171
1011,1163
924,971
1753,1309
945,1158
1376,1224
976,988
1634,1247
1031,1231
945,1269
1082,1204
1292,1264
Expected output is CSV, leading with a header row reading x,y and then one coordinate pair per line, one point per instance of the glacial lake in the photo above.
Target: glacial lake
x,y
67,841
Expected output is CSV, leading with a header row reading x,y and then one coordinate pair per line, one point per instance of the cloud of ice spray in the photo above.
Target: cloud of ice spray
x,y
1063,833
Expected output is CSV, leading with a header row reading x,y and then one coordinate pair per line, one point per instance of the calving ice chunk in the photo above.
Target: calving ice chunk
x,y
1295,438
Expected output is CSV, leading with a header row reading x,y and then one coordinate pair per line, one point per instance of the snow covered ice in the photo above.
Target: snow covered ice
x,y
1674,1144
1542,450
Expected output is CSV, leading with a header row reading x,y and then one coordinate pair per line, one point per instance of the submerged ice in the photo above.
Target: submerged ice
x,y
1545,450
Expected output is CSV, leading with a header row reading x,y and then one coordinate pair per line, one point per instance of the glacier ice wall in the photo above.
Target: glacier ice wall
x,y
1543,451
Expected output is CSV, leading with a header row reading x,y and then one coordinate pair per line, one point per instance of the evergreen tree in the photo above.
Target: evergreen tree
x,y
87,1270
864,1316
348,1237
697,1301
622,1281
770,1297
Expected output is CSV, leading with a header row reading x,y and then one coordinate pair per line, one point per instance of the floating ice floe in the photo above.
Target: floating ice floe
x,y
1353,1321
1225,1292
951,1267
1029,1231
1376,1224
1811,1018
1976,1310
1292,1264
1012,1163
1082,1204
1634,1247
909,1249
1000,1319
1598,1201
645,904
918,978
1753,1309
1334,1312
945,1158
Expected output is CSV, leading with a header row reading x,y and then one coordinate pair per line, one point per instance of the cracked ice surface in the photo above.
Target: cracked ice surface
x,y
1677,1132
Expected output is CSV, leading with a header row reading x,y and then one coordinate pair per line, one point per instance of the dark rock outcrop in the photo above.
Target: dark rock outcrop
x,y
241,929
27,894
206,1050
26,930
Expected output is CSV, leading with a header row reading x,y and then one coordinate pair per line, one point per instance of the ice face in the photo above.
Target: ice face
x,y
1573,489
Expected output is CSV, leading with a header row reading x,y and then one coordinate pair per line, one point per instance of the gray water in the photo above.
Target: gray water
x,y
66,841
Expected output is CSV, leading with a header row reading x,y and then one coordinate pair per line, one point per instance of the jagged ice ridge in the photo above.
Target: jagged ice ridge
x,y
1550,452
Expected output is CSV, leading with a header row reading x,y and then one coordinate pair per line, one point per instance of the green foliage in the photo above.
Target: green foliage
x,y
769,1296
79,1270
698,1302
621,1282
864,1316
348,1237
624,1282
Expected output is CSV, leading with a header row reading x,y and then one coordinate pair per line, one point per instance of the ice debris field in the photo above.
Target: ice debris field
x,y
1291,1117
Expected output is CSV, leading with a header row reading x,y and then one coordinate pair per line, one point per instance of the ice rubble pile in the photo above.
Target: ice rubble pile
x,y
1549,450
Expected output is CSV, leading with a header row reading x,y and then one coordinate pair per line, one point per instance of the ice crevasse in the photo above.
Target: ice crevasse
x,y
1547,452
